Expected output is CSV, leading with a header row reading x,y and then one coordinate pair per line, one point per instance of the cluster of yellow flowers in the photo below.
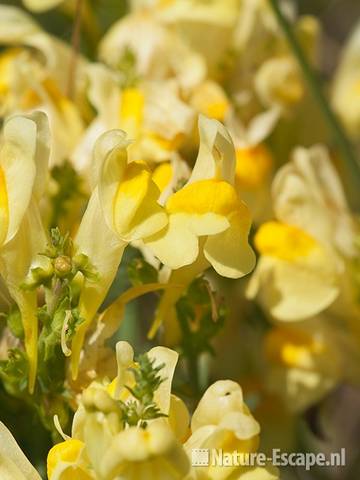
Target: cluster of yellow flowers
x,y
179,134
104,446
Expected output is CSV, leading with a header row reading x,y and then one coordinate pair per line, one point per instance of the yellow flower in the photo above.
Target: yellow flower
x,y
23,170
305,361
101,447
278,82
302,268
295,278
223,421
152,113
34,76
208,223
123,207
154,451
195,21
208,206
159,55
307,192
283,241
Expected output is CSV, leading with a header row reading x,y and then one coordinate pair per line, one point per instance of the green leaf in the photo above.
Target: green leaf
x,y
14,322
148,380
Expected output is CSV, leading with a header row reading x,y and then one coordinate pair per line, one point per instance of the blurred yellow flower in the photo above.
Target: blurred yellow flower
x,y
304,254
34,75
305,361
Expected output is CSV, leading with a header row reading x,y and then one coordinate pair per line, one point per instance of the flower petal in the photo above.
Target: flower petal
x,y
176,245
216,158
13,463
294,291
169,358
92,235
41,5
17,163
229,252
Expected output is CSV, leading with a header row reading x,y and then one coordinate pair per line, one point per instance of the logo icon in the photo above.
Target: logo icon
x,y
200,457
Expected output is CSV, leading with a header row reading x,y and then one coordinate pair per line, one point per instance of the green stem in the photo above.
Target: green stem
x,y
191,356
344,146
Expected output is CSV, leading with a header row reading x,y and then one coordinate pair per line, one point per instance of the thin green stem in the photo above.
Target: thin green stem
x,y
344,146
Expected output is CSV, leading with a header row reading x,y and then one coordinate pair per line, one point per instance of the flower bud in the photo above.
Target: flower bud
x,y
63,265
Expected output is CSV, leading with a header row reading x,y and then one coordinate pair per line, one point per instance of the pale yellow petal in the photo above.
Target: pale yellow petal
x,y
229,252
127,192
296,277
109,167
137,213
294,291
13,463
41,5
179,418
308,193
168,357
17,163
152,454
220,398
176,245
42,152
216,158
15,25
104,249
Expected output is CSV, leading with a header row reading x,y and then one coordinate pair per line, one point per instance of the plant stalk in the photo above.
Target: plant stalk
x,y
345,147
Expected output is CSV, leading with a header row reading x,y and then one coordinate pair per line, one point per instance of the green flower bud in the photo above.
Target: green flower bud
x,y
62,265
